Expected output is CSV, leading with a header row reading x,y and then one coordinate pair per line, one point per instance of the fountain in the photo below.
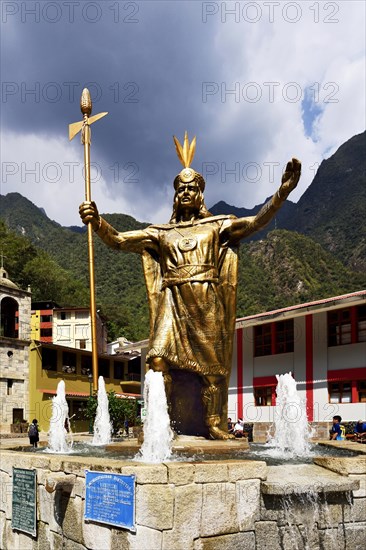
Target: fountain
x,y
292,431
157,432
102,424
58,440
241,502
190,269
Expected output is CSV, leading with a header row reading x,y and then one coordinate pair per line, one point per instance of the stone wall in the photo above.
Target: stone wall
x,y
14,366
262,429
181,506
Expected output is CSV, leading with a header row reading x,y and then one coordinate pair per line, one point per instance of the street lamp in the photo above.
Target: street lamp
x,y
90,378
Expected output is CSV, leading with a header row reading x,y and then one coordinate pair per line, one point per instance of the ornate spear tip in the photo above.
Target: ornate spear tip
x,y
85,102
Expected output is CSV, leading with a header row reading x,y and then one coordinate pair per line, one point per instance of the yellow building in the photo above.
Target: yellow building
x,y
50,363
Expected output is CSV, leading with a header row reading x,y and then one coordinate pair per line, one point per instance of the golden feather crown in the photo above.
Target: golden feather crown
x,y
185,154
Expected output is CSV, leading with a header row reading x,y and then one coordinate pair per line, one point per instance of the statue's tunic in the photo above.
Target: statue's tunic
x,y
191,274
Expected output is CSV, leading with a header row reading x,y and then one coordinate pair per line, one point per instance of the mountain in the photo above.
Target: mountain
x,y
332,211
280,221
280,268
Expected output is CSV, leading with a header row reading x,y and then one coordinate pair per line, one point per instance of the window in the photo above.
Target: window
x,y
49,359
82,315
65,315
134,367
63,333
339,327
86,365
81,331
46,332
46,318
340,392
361,323
103,368
118,370
9,318
274,338
10,387
77,409
82,344
265,396
284,336
361,389
262,340
68,359
347,326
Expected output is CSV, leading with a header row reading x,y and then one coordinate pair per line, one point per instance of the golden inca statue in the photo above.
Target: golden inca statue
x,y
190,267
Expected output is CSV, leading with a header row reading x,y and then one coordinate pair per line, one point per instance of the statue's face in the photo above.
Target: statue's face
x,y
188,195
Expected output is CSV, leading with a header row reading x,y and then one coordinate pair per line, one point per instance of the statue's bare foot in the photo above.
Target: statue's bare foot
x,y
216,433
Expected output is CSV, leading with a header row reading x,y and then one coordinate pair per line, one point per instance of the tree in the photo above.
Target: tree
x,y
120,409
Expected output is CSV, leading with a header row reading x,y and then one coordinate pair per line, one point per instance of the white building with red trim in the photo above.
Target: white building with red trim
x,y
323,345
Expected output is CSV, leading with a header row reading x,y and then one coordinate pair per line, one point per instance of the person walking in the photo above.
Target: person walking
x,y
33,433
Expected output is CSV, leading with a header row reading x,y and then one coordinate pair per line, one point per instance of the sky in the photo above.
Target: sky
x,y
256,82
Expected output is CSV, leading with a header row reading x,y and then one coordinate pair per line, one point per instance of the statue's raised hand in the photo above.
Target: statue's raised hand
x,y
89,214
290,178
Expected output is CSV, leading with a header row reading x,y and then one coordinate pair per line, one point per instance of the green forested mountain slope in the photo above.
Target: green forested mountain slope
x,y
332,210
284,269
287,268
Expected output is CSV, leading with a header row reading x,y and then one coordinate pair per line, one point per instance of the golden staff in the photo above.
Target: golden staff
x,y
84,126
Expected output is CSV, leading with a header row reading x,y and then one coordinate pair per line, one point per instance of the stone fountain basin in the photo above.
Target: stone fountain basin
x,y
197,505
308,478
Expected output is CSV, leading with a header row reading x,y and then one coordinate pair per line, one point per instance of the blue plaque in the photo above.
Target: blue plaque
x,y
110,499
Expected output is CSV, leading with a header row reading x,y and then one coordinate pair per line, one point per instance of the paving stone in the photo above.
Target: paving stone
x,y
187,517
237,541
47,509
6,489
143,539
2,528
343,466
70,515
248,469
147,473
43,539
180,474
305,479
332,539
355,536
96,536
248,503
219,509
15,540
211,473
155,506
361,492
267,535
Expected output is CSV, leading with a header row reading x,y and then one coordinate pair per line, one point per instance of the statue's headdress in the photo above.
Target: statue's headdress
x,y
185,154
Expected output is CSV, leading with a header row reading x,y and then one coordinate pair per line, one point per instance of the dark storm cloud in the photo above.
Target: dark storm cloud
x,y
160,68
148,74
